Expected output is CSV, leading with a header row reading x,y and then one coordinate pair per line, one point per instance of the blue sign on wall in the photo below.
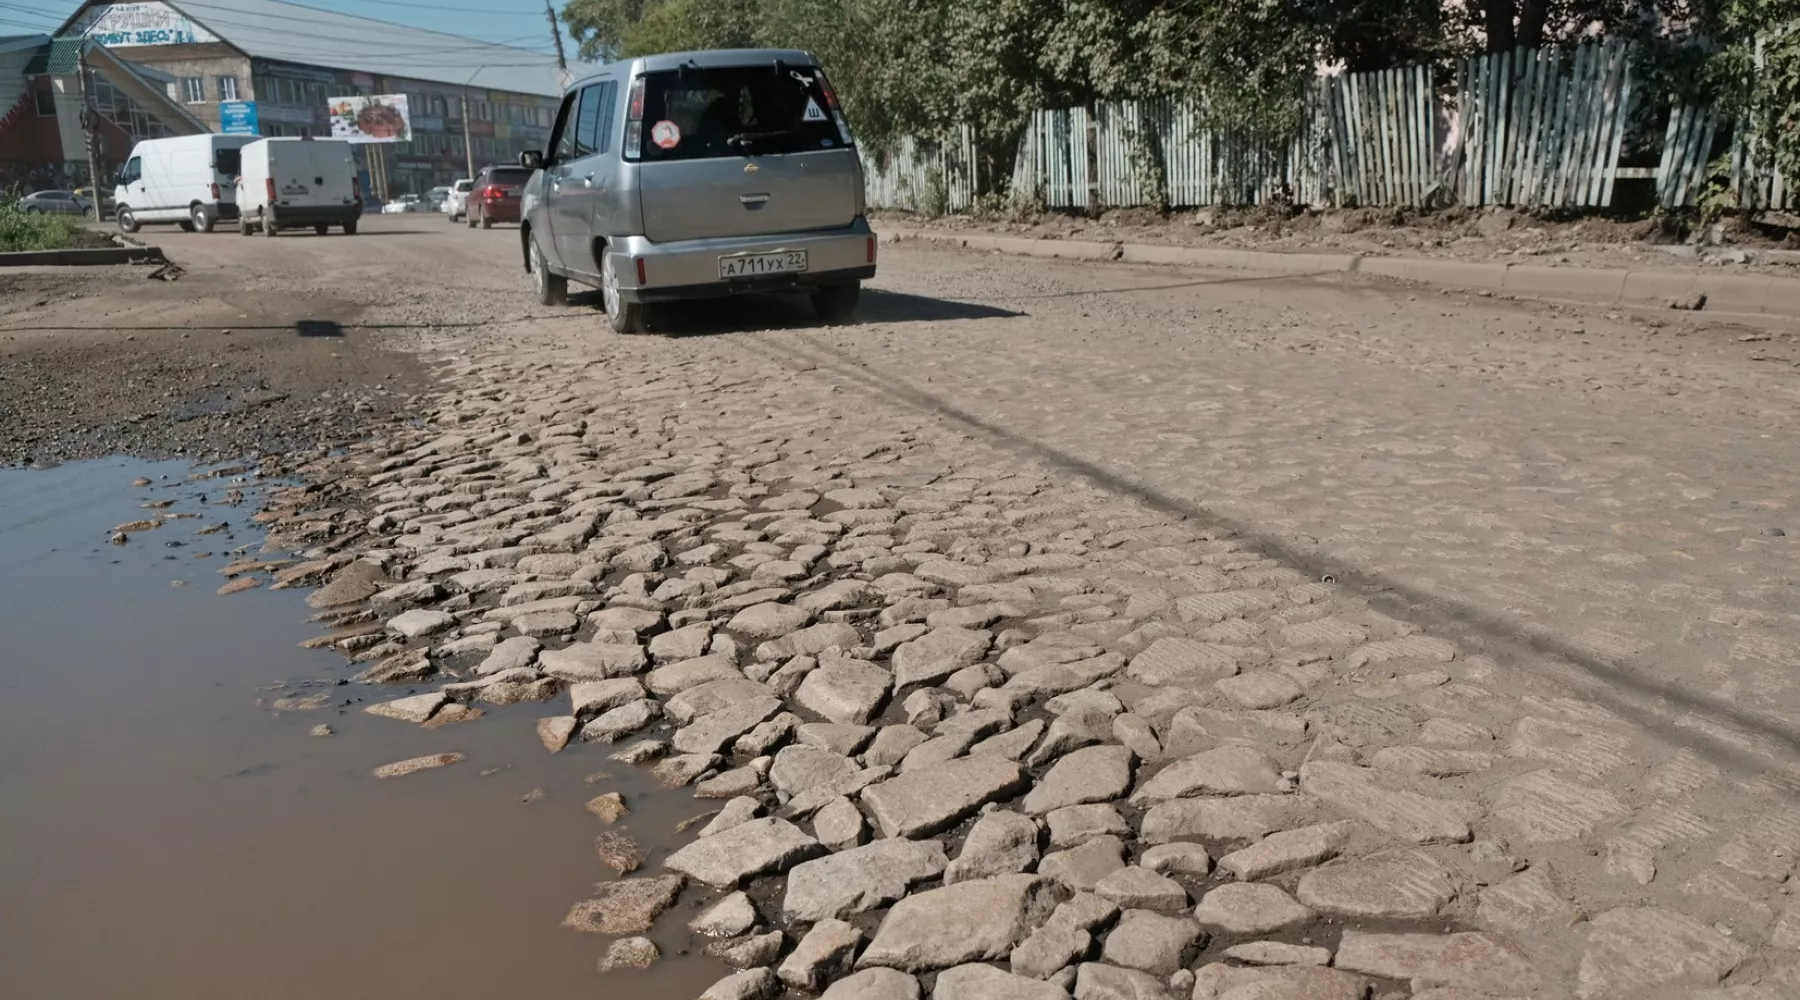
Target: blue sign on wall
x,y
239,118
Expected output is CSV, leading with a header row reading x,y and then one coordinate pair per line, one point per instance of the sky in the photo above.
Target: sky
x,y
506,22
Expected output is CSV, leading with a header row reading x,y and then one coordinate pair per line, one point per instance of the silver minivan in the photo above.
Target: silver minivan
x,y
696,175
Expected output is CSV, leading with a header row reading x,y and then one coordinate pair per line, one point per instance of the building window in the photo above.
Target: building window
x,y
227,88
46,103
193,89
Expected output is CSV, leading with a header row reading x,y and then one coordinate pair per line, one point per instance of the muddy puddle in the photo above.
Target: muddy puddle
x,y
168,837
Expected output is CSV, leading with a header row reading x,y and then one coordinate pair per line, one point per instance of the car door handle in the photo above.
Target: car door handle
x,y
753,200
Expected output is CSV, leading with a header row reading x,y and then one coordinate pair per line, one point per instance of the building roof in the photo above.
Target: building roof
x,y
61,57
289,32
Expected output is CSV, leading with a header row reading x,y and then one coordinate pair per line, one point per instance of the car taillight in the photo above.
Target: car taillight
x,y
215,192
837,113
356,188
269,187
634,121
871,249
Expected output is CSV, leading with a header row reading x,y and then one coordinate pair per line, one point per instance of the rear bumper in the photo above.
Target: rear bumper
x,y
499,211
302,215
690,269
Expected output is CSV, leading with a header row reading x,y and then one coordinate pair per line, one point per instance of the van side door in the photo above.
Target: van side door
x,y
130,189
577,182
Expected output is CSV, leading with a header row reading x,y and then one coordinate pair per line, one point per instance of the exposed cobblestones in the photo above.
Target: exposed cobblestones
x,y
772,547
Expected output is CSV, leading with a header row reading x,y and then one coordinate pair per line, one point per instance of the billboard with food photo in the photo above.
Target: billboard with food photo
x,y
376,118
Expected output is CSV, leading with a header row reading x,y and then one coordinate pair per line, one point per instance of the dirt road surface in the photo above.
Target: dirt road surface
x,y
1482,613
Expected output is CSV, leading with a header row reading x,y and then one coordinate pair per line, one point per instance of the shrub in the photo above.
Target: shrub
x,y
21,231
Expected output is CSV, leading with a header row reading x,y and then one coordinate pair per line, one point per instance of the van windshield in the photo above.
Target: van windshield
x,y
693,114
228,161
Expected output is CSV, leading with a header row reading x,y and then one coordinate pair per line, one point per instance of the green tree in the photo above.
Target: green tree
x,y
599,26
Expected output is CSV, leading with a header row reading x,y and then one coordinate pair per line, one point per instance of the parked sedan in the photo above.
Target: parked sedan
x,y
403,204
496,196
55,203
106,200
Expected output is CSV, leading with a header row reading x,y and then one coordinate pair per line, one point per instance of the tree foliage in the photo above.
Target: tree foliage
x,y
919,67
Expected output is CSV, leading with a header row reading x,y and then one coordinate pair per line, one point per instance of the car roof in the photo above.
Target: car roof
x,y
700,59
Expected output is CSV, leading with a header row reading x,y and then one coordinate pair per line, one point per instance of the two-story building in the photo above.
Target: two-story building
x,y
272,67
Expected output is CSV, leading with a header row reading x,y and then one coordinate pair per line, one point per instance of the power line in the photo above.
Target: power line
x,y
35,28
464,43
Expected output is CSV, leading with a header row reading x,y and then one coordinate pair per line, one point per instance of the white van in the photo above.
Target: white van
x,y
184,179
287,183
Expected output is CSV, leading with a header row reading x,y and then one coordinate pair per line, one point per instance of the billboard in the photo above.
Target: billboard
x,y
376,118
122,25
239,118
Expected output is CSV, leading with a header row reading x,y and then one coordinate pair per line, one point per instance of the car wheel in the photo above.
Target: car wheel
x,y
186,225
470,219
450,217
623,316
128,222
268,226
319,228
487,222
243,225
33,210
836,303
201,220
552,289
350,228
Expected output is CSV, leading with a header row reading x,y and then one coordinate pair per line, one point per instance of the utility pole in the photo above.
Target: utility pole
x,y
468,143
90,128
556,36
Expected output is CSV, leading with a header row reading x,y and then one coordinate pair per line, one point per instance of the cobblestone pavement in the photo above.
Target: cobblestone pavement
x,y
1142,633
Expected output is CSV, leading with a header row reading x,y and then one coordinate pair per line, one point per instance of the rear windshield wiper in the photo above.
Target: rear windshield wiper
x,y
747,138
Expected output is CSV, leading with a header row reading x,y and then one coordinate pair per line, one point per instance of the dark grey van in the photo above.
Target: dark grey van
x,y
697,175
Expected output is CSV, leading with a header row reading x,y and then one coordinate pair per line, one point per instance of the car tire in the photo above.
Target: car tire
x,y
552,289
350,228
269,228
450,217
837,303
320,228
243,225
201,220
128,222
487,222
33,210
186,225
470,219
622,316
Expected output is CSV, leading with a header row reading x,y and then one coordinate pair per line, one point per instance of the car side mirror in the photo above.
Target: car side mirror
x,y
531,159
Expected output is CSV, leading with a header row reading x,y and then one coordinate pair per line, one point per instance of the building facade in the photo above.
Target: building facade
x,y
43,145
272,68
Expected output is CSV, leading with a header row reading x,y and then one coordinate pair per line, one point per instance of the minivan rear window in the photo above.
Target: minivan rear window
x,y
228,161
693,113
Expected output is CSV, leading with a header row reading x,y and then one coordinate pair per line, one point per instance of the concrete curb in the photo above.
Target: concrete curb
x,y
1751,294
85,257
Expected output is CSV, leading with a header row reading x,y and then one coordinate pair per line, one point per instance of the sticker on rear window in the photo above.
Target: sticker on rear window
x,y
666,134
813,113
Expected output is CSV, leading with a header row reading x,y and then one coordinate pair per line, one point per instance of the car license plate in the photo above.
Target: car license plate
x,y
752,265
510,192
